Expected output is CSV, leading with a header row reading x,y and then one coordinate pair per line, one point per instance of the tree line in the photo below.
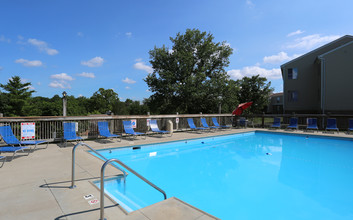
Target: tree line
x,y
188,78
16,100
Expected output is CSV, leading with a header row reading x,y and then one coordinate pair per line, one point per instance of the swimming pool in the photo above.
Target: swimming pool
x,y
255,175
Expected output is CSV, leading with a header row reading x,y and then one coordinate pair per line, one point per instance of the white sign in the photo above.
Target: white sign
x,y
76,126
94,201
133,123
148,122
177,120
90,196
28,130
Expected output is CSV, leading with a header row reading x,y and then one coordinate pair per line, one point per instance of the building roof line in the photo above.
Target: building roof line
x,y
328,44
333,50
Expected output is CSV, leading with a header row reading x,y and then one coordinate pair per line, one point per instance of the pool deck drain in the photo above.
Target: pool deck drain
x,y
37,186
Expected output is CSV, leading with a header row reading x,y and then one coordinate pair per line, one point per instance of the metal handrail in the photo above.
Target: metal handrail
x,y
73,163
132,171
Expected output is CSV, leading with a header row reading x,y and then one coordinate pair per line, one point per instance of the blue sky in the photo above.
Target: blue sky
x,y
80,46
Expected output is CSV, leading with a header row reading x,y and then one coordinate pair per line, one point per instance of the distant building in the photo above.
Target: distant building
x,y
320,81
275,105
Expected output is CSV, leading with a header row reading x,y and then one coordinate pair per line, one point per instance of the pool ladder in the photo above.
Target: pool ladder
x,y
108,161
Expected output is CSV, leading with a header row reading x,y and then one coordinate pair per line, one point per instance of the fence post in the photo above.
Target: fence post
x,y
263,120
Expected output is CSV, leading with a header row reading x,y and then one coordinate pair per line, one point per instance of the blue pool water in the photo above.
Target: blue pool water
x,y
256,175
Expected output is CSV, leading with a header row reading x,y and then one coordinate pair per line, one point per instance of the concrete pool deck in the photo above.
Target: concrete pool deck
x,y
37,186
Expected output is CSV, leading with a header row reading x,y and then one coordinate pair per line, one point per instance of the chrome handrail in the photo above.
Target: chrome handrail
x,y
132,171
73,163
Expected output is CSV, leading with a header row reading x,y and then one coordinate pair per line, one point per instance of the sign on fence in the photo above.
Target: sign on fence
x,y
28,130
148,122
177,120
133,123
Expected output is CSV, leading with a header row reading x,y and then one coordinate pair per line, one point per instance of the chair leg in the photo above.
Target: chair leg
x,y
4,160
13,155
35,147
29,150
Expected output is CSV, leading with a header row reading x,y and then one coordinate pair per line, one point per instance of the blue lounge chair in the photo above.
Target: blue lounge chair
x,y
350,126
129,129
276,123
154,127
103,130
205,125
10,139
193,127
293,123
70,133
331,125
14,150
217,125
312,124
3,160
242,122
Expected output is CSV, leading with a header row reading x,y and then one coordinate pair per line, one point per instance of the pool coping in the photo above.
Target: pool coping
x,y
37,186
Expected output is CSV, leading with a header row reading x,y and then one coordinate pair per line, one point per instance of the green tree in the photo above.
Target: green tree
x,y
255,89
136,108
4,101
41,106
18,94
230,99
103,100
189,77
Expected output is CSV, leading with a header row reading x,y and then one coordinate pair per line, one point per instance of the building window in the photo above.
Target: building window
x,y
292,73
278,99
292,96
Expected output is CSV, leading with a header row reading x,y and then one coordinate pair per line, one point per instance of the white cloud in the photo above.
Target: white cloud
x,y
128,81
88,75
38,83
128,34
4,39
42,46
61,81
311,41
143,66
126,87
295,33
62,77
138,60
250,3
94,62
29,63
61,85
253,71
227,44
280,57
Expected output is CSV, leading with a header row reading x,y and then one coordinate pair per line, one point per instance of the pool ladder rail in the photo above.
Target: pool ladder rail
x,y
108,161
